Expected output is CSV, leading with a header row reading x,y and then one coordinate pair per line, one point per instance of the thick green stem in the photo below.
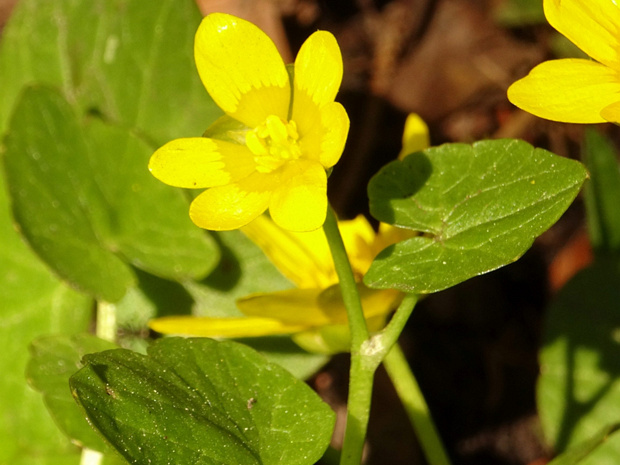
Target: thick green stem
x,y
348,286
361,374
411,396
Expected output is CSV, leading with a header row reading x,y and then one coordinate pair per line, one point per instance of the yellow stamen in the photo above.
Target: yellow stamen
x,y
273,143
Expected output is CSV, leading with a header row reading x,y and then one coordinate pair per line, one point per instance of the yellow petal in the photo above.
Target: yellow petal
x,y
388,235
222,327
300,201
318,68
611,112
378,302
335,338
232,206
324,137
199,162
293,306
241,69
304,258
415,135
592,25
358,237
569,90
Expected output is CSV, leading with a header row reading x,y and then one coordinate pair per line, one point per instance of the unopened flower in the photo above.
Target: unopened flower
x,y
281,131
577,90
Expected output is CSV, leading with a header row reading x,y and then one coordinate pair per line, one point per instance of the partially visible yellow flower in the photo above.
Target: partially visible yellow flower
x,y
281,131
415,135
313,312
577,90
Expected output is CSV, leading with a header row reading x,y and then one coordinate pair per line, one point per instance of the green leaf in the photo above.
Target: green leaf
x,y
579,383
581,452
474,207
32,303
202,401
87,204
602,193
53,359
129,61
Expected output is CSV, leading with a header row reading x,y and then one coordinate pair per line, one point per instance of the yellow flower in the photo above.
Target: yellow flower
x,y
314,312
281,129
577,90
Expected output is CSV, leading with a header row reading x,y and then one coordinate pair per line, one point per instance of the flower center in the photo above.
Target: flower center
x,y
273,143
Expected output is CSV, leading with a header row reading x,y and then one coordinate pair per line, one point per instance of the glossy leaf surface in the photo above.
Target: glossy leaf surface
x,y
476,208
201,401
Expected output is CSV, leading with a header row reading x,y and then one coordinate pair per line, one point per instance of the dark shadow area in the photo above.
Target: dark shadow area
x,y
169,297
227,273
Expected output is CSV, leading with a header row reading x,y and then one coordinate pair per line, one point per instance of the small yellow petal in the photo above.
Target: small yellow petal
x,y
293,306
318,68
304,258
222,327
300,202
611,112
358,237
241,69
232,206
592,25
324,130
415,136
199,162
334,131
569,90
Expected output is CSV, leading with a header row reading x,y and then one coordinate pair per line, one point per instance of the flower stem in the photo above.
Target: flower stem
x,y
348,286
106,321
361,373
411,396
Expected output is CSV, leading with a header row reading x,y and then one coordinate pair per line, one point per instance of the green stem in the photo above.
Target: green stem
x,y
411,396
361,373
106,321
348,286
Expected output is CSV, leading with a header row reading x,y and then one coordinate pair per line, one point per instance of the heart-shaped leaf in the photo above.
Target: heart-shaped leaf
x,y
475,208
88,206
32,303
129,61
202,401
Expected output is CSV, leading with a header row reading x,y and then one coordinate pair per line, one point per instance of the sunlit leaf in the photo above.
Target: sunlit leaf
x,y
32,303
130,61
200,401
581,453
87,204
579,384
476,208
